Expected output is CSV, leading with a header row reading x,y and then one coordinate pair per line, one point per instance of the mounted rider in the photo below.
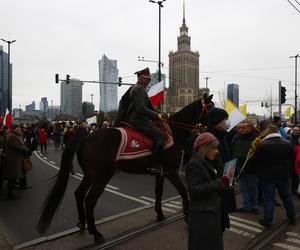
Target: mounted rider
x,y
136,109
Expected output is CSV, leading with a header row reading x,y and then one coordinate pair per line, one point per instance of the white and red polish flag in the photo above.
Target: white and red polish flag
x,y
7,119
156,93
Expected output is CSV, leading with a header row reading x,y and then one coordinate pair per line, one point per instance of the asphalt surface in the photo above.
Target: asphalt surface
x,y
19,217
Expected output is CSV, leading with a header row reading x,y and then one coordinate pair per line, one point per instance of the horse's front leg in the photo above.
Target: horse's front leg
x,y
159,184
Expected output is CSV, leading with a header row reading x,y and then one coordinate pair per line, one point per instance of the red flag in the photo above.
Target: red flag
x,y
156,93
7,119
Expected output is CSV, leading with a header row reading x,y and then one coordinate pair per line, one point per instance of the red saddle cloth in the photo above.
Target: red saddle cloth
x,y
135,145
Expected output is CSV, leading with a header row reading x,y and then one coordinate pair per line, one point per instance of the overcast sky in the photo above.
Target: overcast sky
x,y
239,41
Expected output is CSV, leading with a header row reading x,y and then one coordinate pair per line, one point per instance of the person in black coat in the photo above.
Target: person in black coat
x,y
218,125
205,221
274,159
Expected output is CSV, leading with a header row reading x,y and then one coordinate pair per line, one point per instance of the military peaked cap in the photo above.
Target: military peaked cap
x,y
144,72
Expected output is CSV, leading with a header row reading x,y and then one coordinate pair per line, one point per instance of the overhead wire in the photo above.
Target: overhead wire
x,y
294,6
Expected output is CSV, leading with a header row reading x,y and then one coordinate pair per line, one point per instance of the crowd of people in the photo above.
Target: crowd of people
x,y
267,162
19,141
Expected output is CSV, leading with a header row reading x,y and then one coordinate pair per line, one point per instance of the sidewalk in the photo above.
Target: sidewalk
x,y
4,245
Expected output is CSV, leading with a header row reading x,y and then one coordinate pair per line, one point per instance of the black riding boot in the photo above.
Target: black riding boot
x,y
156,163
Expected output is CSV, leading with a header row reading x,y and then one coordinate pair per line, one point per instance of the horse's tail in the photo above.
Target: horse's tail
x,y
58,189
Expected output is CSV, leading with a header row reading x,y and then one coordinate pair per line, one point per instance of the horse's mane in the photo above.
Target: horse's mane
x,y
190,116
190,113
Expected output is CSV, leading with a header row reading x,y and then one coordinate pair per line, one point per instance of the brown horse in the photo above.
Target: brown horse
x,y
97,161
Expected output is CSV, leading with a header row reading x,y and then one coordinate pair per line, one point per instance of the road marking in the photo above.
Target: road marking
x,y
176,202
127,196
285,246
106,189
172,205
293,240
254,229
76,229
246,221
293,234
52,162
168,210
147,198
241,232
109,186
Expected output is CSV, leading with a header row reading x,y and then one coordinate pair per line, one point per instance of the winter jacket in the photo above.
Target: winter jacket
x,y
274,158
15,152
206,219
240,146
43,136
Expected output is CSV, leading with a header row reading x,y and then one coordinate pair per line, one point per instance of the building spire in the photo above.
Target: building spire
x,y
183,11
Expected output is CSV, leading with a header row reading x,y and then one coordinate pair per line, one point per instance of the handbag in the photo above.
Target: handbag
x,y
27,164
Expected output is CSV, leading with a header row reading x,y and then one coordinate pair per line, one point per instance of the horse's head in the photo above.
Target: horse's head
x,y
195,113
206,104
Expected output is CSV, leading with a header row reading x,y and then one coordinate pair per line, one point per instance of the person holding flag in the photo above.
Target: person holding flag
x,y
136,109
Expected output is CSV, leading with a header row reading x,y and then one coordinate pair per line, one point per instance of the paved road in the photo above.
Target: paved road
x,y
19,217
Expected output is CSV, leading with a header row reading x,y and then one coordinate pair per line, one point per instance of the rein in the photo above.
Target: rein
x,y
190,127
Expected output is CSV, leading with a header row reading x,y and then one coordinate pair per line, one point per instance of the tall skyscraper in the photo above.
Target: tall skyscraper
x,y
233,93
183,72
43,104
4,82
108,72
71,97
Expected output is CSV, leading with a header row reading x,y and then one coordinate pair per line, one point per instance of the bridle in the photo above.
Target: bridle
x,y
196,127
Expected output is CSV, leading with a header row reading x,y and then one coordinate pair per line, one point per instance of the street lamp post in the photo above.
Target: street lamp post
x,y
51,110
159,35
8,74
296,57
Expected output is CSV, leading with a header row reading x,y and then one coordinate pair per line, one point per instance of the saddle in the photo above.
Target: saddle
x,y
136,145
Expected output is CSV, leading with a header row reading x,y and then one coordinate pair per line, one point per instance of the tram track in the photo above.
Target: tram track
x,y
262,241
146,229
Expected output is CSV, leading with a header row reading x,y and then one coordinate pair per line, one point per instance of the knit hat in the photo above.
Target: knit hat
x,y
204,139
216,115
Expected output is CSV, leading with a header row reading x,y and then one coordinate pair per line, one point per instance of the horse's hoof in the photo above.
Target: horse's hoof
x,y
185,218
81,226
160,218
99,238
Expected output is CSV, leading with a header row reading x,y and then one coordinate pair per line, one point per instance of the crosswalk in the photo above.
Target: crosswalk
x,y
243,227
291,241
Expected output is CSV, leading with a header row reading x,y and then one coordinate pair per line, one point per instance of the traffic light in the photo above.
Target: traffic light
x,y
56,78
67,79
283,95
120,81
262,104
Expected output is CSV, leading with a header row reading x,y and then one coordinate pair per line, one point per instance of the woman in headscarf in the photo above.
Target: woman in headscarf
x,y
205,187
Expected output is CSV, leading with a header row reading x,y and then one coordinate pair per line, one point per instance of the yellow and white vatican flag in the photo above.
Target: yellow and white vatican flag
x,y
235,115
91,120
243,109
288,112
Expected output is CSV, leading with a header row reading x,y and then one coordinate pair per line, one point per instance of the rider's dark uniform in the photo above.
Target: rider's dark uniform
x,y
139,112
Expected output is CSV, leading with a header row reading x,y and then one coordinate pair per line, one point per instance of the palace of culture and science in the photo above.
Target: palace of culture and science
x,y
183,73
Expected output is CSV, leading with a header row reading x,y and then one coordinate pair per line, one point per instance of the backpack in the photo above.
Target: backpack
x,y
124,108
